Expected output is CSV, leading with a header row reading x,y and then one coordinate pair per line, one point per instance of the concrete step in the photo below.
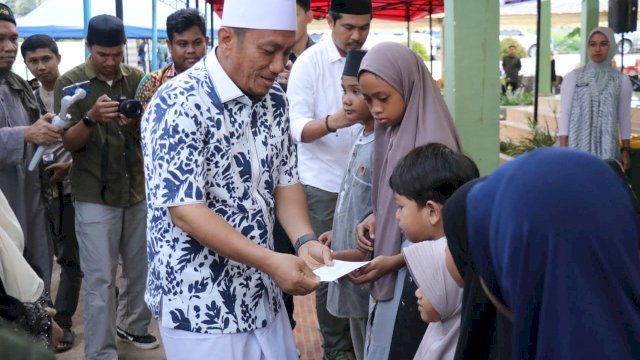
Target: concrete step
x,y
513,131
522,115
516,131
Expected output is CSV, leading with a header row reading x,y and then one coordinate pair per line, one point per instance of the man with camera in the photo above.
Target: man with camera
x,y
107,184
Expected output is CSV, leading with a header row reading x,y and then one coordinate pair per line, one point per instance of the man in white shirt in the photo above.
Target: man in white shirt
x,y
325,136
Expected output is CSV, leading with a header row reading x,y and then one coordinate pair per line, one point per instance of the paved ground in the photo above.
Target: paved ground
x,y
306,332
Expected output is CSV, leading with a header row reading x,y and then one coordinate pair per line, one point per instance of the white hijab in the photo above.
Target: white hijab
x,y
18,278
426,261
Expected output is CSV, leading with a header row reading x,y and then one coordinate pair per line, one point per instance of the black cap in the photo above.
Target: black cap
x,y
352,63
6,14
106,30
351,7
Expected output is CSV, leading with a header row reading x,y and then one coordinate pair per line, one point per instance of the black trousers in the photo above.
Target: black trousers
x,y
67,252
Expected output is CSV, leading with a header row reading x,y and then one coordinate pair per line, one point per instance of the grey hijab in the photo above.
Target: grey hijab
x,y
601,68
593,120
426,120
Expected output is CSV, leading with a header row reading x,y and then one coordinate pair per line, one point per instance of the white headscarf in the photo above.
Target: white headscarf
x,y
426,261
18,278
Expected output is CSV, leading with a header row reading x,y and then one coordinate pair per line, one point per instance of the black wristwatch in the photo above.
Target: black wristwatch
x,y
87,121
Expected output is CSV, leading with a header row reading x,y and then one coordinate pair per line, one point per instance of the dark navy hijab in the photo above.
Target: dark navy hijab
x,y
554,236
484,332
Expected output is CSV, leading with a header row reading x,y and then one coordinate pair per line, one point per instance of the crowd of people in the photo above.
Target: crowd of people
x,y
234,174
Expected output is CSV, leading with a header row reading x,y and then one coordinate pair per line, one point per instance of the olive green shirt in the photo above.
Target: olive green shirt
x,y
108,170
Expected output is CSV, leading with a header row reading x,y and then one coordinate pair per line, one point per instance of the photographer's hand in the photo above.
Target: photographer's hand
x,y
125,121
132,125
104,110
60,171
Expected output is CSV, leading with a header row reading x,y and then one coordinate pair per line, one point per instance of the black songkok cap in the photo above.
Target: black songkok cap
x,y
351,7
106,30
6,14
352,63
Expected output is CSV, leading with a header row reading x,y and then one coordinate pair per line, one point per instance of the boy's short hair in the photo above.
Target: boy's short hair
x,y
184,19
304,5
432,172
38,41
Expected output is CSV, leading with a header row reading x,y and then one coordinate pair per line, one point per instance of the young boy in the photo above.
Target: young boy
x,y
422,182
41,55
345,299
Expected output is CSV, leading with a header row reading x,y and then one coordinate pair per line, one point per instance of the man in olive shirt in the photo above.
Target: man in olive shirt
x,y
107,183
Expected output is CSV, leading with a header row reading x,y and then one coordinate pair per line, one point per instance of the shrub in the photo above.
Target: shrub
x,y
567,42
521,52
541,137
516,97
420,49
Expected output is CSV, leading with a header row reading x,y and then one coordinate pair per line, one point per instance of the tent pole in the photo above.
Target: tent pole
x,y
119,10
408,25
212,15
87,17
154,35
206,17
536,89
431,37
120,16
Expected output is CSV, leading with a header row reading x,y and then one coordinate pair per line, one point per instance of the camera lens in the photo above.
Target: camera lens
x,y
131,108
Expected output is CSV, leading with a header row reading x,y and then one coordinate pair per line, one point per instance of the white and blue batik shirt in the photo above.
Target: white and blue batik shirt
x,y
204,141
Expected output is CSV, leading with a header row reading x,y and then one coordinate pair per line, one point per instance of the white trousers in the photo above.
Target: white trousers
x,y
273,342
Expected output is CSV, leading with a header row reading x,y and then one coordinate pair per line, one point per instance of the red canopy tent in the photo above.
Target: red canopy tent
x,y
398,10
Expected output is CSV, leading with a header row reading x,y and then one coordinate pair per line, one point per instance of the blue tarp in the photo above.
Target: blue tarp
x,y
64,19
69,32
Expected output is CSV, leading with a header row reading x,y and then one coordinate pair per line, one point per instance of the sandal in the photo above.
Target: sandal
x,y
66,343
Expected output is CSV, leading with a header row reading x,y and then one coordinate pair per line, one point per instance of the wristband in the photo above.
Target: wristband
x,y
303,240
326,124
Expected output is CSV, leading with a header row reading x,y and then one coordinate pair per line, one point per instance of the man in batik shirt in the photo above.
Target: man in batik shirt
x,y
219,166
187,44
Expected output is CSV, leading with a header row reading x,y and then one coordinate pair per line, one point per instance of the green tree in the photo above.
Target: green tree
x,y
521,52
419,49
567,42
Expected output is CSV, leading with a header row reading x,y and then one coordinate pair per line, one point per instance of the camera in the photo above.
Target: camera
x,y
49,159
130,108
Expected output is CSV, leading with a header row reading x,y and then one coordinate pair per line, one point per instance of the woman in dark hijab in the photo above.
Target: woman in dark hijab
x,y
559,253
484,333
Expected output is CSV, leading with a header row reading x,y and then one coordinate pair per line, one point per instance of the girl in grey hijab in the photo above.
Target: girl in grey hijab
x,y
409,112
595,103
